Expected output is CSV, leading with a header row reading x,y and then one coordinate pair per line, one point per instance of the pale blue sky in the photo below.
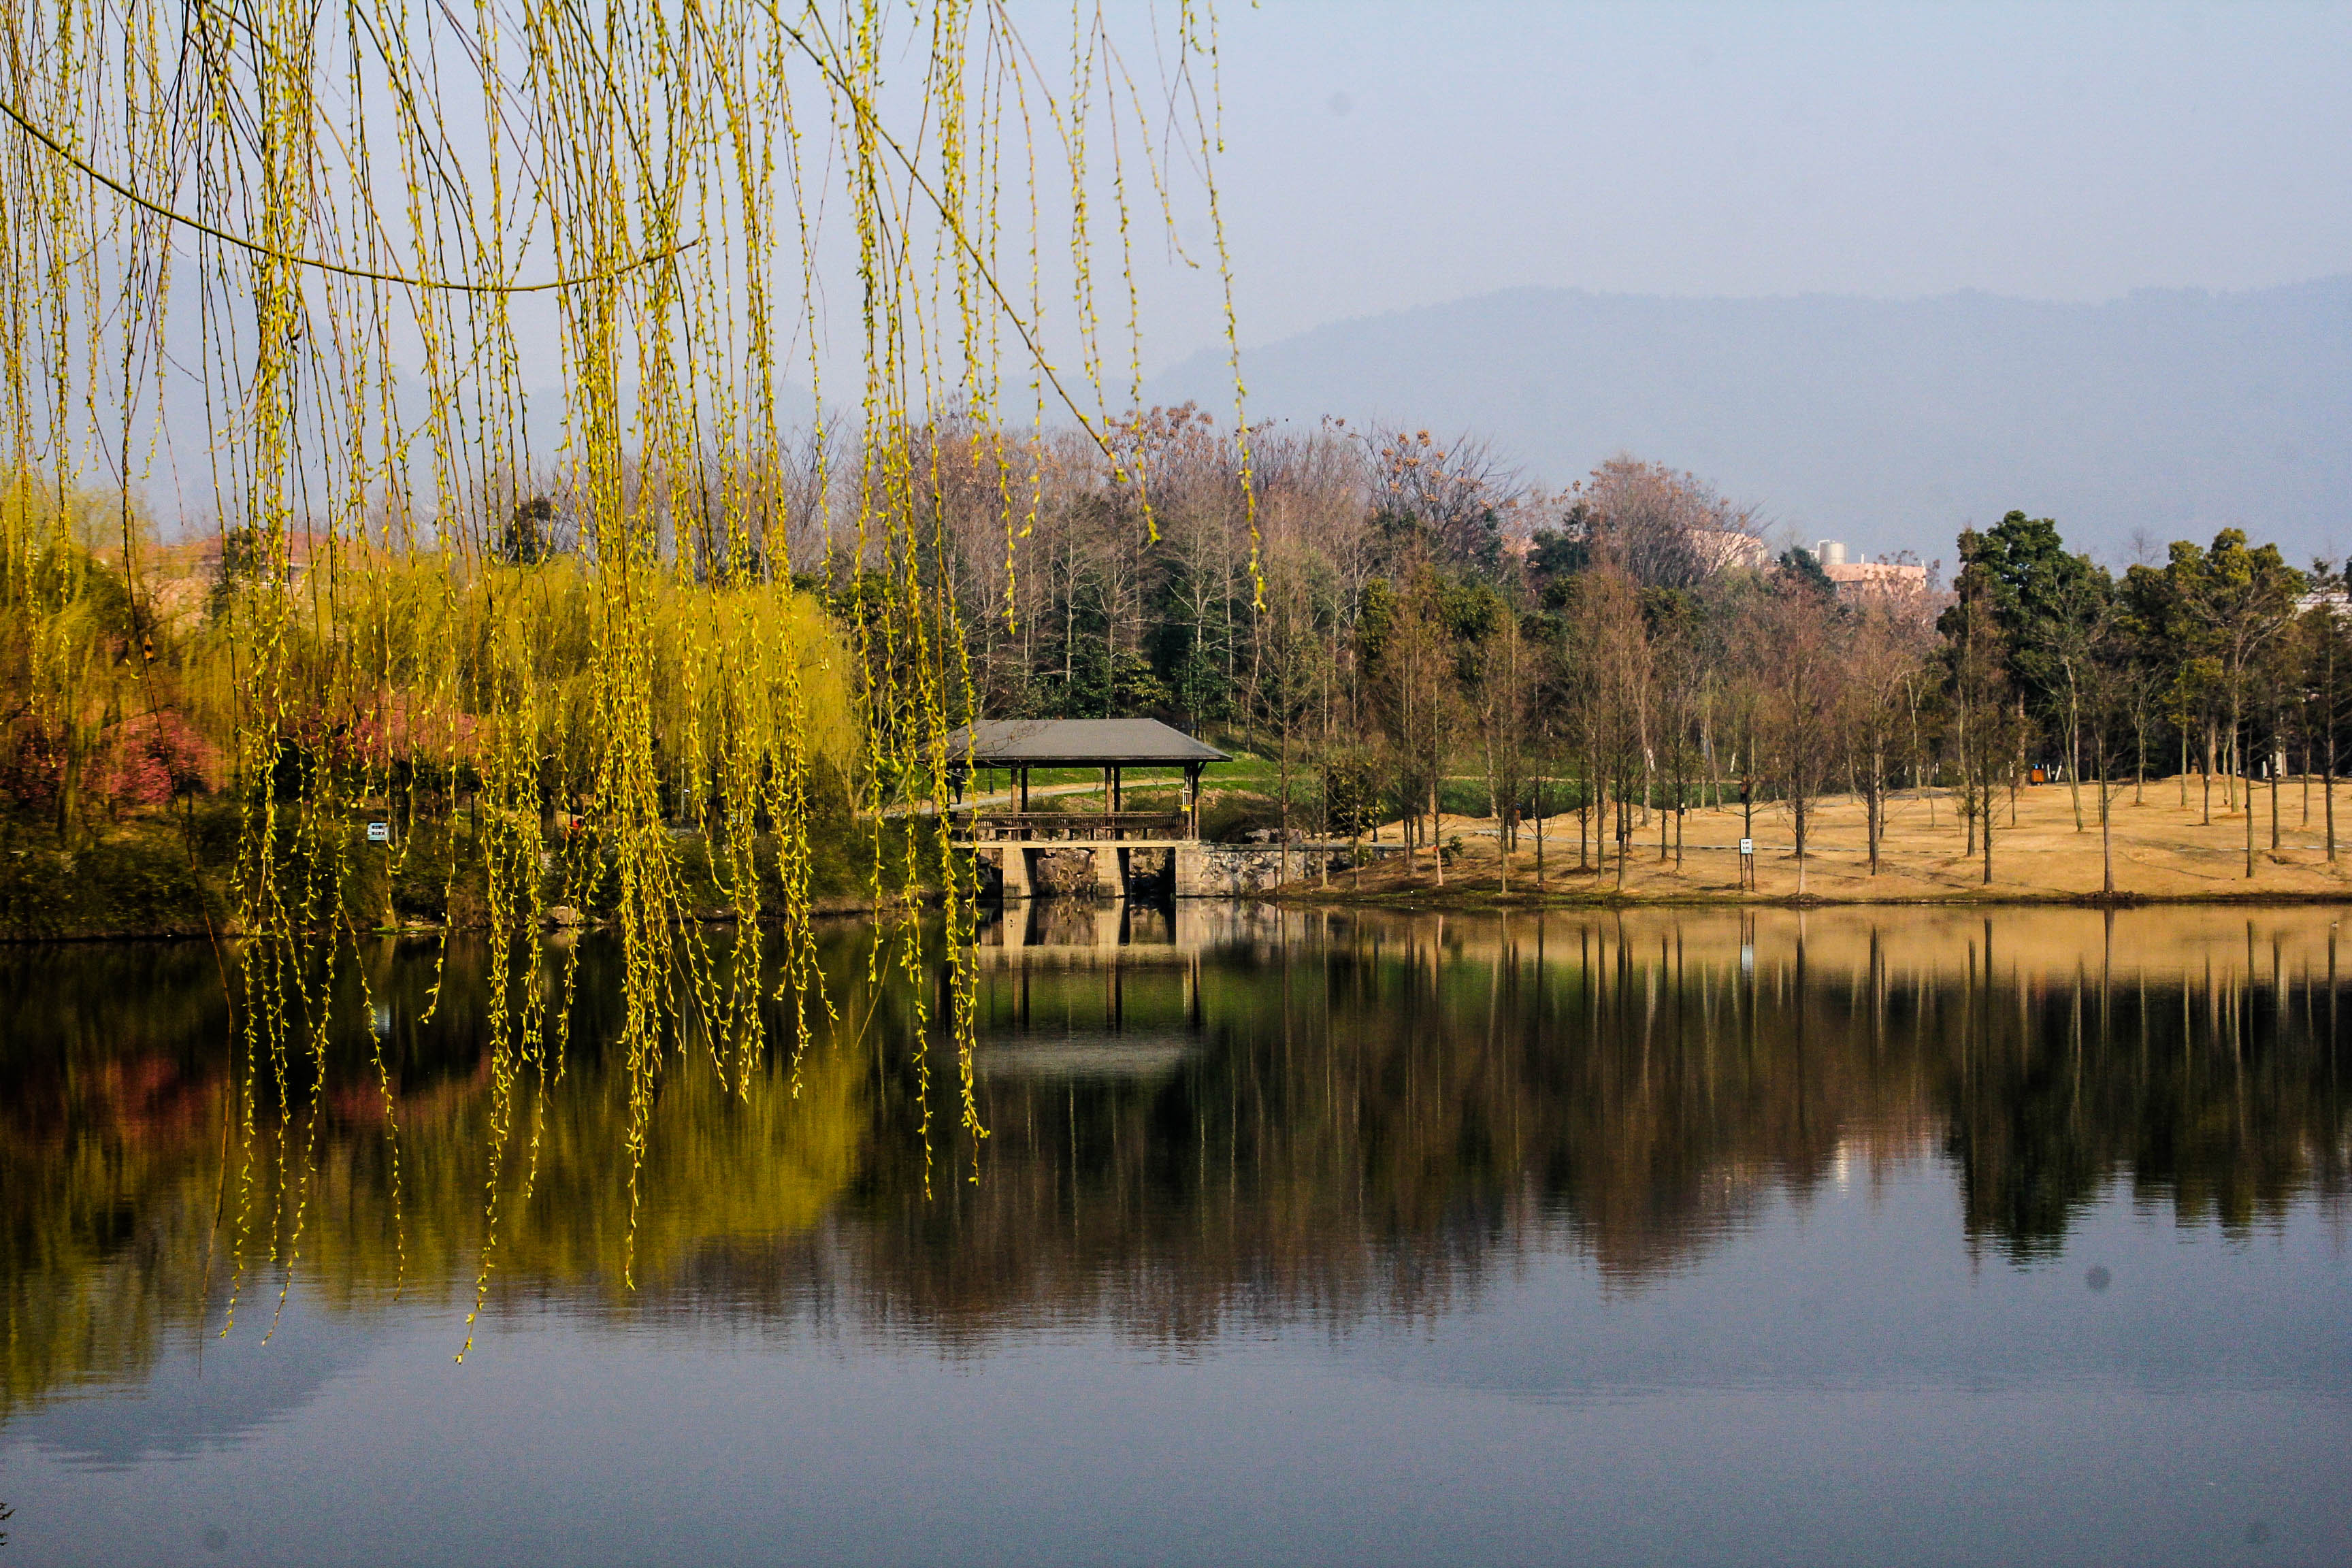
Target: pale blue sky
x,y
1383,155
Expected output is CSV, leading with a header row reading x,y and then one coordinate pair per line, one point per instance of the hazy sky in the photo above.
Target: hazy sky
x,y
1383,155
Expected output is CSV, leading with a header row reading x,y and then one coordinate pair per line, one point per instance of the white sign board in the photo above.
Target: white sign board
x,y
1748,846
379,832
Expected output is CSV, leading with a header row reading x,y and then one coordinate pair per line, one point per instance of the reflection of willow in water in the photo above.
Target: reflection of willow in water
x,y
122,1166
1345,1117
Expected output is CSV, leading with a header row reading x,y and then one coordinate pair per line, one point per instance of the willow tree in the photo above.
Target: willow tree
x,y
469,333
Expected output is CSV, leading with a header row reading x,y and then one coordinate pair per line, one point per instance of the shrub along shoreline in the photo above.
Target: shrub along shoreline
x,y
167,878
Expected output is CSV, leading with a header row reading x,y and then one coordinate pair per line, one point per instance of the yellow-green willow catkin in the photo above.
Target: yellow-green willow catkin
x,y
377,241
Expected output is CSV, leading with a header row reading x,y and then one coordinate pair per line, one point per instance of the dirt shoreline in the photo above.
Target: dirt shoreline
x,y
1451,899
2166,853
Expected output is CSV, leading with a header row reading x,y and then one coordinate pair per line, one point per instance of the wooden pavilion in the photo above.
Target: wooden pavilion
x,y
1015,833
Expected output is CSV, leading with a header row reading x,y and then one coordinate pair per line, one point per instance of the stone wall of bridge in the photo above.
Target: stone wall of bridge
x,y
1189,869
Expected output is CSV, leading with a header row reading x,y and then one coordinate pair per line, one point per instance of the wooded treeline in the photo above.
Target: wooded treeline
x,y
1413,631
1398,624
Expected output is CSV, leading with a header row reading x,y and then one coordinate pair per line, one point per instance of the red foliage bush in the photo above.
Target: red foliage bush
x,y
152,758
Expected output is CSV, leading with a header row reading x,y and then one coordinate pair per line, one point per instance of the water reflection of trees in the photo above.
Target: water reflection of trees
x,y
2215,1093
1371,1123
1358,1116
133,1199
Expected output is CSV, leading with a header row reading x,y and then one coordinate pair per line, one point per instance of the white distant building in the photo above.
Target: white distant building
x,y
2339,603
1882,578
1727,550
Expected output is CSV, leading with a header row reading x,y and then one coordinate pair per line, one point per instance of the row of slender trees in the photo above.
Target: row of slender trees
x,y
1409,631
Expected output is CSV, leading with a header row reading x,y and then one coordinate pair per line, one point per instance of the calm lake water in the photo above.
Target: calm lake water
x,y
1887,1237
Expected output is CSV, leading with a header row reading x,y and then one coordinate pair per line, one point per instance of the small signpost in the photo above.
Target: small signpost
x,y
379,832
1747,865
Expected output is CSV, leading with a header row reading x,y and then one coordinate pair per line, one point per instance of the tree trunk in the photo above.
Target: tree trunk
x,y
2017,767
1323,813
2328,702
1872,812
1584,816
2327,788
1747,813
1987,825
1682,790
1502,828
2075,747
1624,828
2250,787
1800,792
1283,861
2206,775
1960,747
1436,825
2106,834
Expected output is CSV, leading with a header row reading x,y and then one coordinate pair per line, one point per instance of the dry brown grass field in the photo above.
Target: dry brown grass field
x,y
2162,849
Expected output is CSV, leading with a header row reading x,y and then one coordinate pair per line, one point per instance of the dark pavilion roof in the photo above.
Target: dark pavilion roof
x,y
1077,744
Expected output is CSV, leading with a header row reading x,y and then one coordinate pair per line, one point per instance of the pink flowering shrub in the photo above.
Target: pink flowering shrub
x,y
152,758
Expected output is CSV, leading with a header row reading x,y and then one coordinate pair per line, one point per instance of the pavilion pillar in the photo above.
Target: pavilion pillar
x,y
1017,883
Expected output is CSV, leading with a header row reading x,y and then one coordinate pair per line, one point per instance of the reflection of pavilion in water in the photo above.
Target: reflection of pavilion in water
x,y
1134,930
1072,989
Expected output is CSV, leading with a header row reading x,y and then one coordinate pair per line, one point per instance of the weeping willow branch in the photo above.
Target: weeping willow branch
x,y
577,686
317,263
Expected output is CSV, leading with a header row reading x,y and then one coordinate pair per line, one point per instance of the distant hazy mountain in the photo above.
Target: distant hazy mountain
x,y
1888,424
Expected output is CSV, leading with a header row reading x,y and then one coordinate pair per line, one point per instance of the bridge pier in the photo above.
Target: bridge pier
x,y
1110,866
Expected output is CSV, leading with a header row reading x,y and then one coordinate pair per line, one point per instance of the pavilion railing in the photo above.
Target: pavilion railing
x,y
1067,826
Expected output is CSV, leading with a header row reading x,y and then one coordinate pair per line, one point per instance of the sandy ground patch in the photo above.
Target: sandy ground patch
x,y
2162,848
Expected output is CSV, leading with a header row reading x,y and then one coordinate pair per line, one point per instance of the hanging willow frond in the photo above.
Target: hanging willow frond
x,y
318,272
